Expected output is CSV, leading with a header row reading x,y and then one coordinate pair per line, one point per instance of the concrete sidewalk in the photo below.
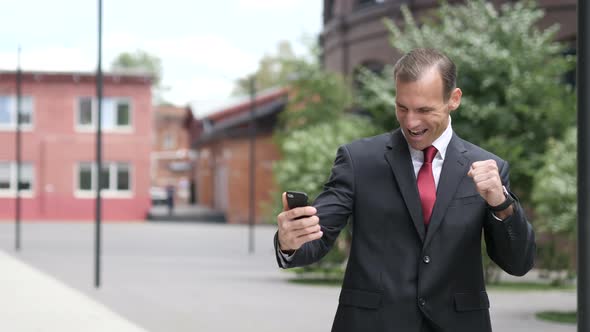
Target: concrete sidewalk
x,y
185,277
33,301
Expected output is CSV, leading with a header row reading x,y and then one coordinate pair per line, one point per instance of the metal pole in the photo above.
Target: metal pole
x,y
252,162
99,84
583,73
18,153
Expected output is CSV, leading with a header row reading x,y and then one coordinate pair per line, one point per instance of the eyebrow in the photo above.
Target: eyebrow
x,y
426,108
423,108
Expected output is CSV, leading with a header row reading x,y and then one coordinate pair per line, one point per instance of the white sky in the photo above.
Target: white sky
x,y
204,45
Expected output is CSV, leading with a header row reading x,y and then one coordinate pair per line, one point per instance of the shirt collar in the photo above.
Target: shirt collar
x,y
441,144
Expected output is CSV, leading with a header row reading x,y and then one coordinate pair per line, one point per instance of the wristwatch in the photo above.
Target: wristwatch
x,y
504,205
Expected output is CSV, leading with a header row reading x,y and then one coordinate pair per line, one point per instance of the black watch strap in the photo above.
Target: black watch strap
x,y
504,205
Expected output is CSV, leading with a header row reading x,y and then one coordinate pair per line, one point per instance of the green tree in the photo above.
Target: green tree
x,y
511,73
316,96
313,126
273,70
308,155
555,189
141,62
555,201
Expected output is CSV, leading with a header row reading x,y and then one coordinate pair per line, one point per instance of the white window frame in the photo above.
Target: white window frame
x,y
12,125
127,129
11,192
108,193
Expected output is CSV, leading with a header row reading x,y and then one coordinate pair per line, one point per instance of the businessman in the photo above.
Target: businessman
x,y
420,198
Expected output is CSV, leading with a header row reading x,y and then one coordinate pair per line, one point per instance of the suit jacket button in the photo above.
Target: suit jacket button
x,y
426,259
421,301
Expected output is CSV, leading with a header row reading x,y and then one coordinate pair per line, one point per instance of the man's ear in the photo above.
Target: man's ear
x,y
455,99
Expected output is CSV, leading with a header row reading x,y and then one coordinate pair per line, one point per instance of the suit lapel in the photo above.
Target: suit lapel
x,y
398,157
455,167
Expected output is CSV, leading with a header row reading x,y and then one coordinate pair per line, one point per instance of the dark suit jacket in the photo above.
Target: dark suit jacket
x,y
399,274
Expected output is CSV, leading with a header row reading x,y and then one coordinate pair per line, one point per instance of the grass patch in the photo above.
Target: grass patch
x,y
527,286
568,317
317,281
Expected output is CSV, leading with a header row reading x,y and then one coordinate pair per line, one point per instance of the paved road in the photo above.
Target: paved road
x,y
199,277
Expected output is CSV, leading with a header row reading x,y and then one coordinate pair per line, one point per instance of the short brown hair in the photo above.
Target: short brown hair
x,y
411,66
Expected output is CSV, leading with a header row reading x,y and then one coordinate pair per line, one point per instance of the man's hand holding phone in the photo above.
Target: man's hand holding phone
x,y
298,223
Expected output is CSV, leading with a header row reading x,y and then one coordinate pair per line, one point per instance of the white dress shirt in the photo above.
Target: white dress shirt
x,y
441,144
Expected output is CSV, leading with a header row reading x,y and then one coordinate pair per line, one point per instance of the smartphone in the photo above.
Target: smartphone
x,y
296,199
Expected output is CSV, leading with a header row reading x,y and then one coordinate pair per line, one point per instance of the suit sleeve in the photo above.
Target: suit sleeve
x,y
510,243
334,206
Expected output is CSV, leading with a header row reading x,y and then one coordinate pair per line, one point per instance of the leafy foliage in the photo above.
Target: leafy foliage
x,y
308,153
316,97
142,62
555,191
314,125
139,61
555,201
273,70
511,74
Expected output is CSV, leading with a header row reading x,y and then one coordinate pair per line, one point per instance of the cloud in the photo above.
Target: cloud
x,y
199,90
51,59
200,67
184,57
267,5
211,52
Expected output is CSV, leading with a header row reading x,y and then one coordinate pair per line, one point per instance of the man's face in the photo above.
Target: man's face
x,y
421,110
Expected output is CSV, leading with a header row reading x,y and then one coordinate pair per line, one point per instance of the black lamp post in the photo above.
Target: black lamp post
x,y
98,201
17,211
583,73
252,209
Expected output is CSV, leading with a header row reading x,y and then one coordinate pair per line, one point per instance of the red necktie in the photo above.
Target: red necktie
x,y
426,186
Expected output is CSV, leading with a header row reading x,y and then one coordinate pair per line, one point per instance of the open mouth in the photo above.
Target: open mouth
x,y
417,133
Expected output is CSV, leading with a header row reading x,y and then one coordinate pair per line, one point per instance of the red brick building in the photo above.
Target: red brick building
x,y
58,178
172,158
223,162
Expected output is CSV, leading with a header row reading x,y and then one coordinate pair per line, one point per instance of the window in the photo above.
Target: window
x,y
362,3
328,10
8,176
85,176
5,176
85,112
115,177
169,141
123,177
116,114
8,111
26,177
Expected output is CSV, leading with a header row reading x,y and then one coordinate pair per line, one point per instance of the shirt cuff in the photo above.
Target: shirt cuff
x,y
288,258
284,258
493,215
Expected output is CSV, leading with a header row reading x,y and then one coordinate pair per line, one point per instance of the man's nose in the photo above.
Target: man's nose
x,y
412,119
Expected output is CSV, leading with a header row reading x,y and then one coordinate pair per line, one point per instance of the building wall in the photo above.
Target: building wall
x,y
169,121
224,170
55,147
355,34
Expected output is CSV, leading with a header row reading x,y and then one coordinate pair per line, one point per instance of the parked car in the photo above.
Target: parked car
x,y
158,196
